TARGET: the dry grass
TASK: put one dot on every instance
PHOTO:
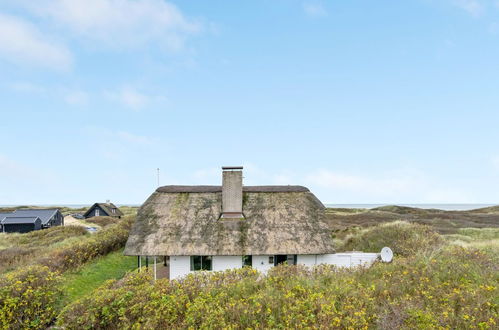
(17, 250)
(102, 221)
(445, 222)
(404, 238)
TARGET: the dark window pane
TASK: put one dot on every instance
(207, 263)
(247, 261)
(195, 262)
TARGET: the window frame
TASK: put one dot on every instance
(203, 263)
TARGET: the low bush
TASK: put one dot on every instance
(103, 221)
(480, 233)
(457, 289)
(403, 238)
(49, 236)
(28, 297)
(110, 239)
(23, 249)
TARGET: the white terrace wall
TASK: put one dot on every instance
(349, 259)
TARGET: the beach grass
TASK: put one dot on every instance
(79, 283)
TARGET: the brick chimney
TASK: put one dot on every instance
(232, 192)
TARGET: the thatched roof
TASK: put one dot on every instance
(185, 220)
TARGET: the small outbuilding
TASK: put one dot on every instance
(107, 209)
(25, 220)
(21, 224)
(49, 217)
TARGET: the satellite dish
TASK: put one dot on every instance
(386, 254)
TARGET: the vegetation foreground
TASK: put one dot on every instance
(435, 284)
(435, 281)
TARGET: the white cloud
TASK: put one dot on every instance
(77, 98)
(118, 136)
(22, 43)
(118, 145)
(399, 186)
(26, 87)
(314, 9)
(473, 7)
(118, 22)
(138, 140)
(130, 98)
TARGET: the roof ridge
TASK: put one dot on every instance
(214, 189)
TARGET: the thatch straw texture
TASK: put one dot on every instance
(277, 220)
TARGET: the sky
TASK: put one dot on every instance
(360, 101)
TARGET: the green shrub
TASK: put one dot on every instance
(457, 289)
(110, 239)
(28, 297)
(403, 238)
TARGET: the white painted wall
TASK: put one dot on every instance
(227, 262)
(261, 263)
(350, 259)
(179, 266)
(308, 260)
(363, 259)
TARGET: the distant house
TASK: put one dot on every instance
(26, 220)
(103, 209)
(2, 216)
(21, 224)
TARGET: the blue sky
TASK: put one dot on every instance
(361, 101)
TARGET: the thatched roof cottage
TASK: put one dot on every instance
(194, 228)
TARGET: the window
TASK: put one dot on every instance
(97, 212)
(290, 259)
(247, 261)
(113, 210)
(201, 262)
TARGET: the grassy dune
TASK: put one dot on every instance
(341, 221)
(32, 290)
(444, 275)
(431, 283)
(78, 283)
